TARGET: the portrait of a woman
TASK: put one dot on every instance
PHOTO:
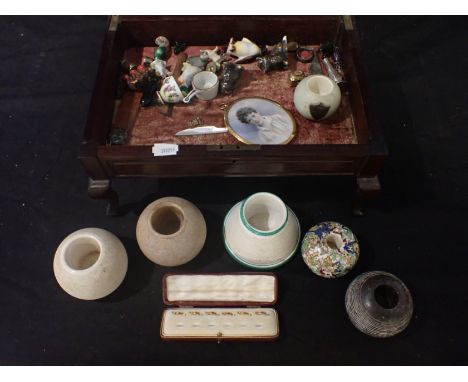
(261, 121)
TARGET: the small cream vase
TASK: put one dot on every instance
(171, 231)
(90, 263)
(317, 97)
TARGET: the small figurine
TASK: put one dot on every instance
(146, 61)
(150, 85)
(188, 71)
(211, 67)
(212, 55)
(126, 66)
(283, 47)
(229, 76)
(270, 62)
(327, 49)
(118, 136)
(163, 47)
(159, 66)
(179, 46)
(243, 50)
(135, 77)
(198, 61)
(277, 59)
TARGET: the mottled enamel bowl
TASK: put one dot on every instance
(261, 232)
(330, 249)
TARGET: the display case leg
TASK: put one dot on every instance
(367, 188)
(101, 189)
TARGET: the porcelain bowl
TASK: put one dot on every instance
(261, 232)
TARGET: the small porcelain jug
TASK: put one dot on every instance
(317, 97)
(170, 91)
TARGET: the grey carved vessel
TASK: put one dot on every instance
(379, 304)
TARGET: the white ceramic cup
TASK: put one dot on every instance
(205, 86)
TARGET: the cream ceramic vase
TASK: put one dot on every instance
(261, 232)
(317, 97)
(171, 231)
(90, 263)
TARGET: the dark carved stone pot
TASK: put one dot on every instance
(379, 304)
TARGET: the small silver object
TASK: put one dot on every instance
(202, 130)
(333, 73)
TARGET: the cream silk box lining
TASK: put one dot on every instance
(252, 288)
(220, 322)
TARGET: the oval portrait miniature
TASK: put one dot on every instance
(330, 249)
(259, 121)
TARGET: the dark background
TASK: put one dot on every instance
(416, 229)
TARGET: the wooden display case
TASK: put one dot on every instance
(349, 145)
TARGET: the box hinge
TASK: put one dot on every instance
(114, 22)
(348, 23)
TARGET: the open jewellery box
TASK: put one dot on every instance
(220, 306)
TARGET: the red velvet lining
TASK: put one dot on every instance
(151, 126)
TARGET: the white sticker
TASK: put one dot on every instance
(163, 149)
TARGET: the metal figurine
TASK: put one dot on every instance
(229, 76)
(277, 59)
(270, 62)
(284, 46)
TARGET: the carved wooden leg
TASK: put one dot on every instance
(367, 188)
(101, 189)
